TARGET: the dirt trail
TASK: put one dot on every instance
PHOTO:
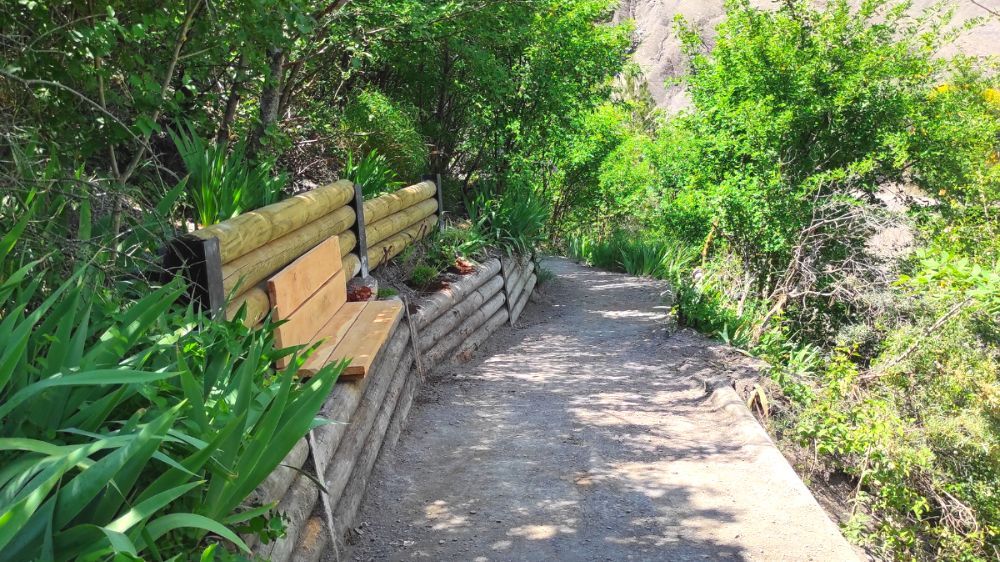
(588, 434)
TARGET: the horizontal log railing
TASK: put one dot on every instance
(231, 260)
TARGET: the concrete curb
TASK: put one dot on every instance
(745, 427)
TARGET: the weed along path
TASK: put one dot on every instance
(588, 434)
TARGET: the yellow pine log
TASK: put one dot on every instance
(396, 222)
(352, 265)
(261, 263)
(241, 235)
(382, 252)
(257, 306)
(382, 206)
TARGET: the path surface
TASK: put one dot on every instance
(590, 436)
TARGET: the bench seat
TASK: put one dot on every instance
(310, 295)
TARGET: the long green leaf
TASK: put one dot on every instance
(15, 517)
(80, 491)
(146, 509)
(168, 523)
(98, 377)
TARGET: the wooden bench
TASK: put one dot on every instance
(310, 294)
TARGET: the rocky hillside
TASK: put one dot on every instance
(658, 50)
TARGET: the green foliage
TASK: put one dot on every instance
(514, 221)
(376, 124)
(623, 251)
(372, 173)
(386, 292)
(122, 425)
(422, 275)
(803, 103)
(499, 89)
(221, 182)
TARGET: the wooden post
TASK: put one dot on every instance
(359, 229)
(320, 465)
(436, 178)
(200, 262)
(414, 338)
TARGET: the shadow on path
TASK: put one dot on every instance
(586, 434)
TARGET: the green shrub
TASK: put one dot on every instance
(378, 124)
(386, 292)
(142, 432)
(513, 222)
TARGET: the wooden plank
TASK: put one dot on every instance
(363, 342)
(293, 286)
(331, 334)
(303, 324)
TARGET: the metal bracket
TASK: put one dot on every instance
(199, 261)
(359, 229)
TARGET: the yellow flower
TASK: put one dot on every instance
(992, 97)
(942, 89)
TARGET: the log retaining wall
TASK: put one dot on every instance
(369, 414)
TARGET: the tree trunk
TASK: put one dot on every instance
(270, 99)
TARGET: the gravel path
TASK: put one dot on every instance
(588, 434)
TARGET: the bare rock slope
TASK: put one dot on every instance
(658, 49)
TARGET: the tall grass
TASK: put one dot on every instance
(661, 259)
(513, 222)
(221, 181)
(372, 172)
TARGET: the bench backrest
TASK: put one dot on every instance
(307, 293)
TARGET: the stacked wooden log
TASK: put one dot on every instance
(369, 413)
(256, 245)
(519, 281)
